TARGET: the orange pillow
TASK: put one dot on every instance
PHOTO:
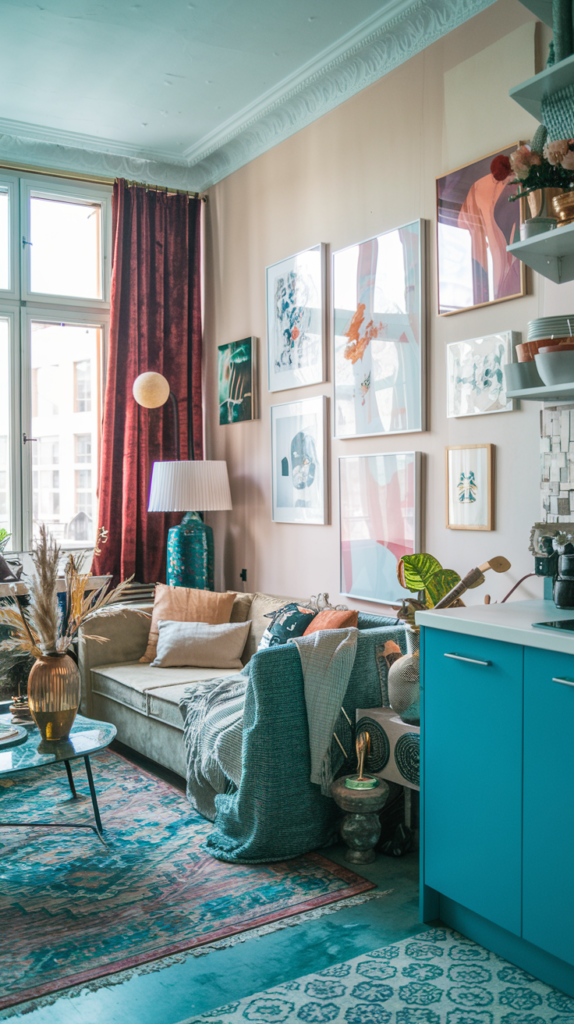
(332, 619)
(183, 604)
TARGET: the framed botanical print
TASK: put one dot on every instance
(296, 320)
(380, 522)
(299, 471)
(475, 382)
(469, 487)
(379, 330)
(237, 380)
(475, 223)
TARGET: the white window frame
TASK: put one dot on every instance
(22, 307)
(11, 183)
(55, 188)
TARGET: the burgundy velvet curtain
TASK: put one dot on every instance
(155, 325)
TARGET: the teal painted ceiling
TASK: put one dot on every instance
(197, 85)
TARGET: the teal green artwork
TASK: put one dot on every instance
(237, 381)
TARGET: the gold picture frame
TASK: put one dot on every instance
(469, 474)
(491, 228)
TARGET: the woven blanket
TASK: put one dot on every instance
(327, 659)
(212, 737)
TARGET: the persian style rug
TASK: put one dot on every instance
(72, 910)
(437, 977)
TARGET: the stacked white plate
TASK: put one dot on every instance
(551, 327)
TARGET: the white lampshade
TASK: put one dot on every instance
(189, 487)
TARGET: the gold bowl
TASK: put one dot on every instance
(564, 208)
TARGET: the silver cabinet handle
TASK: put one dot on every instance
(565, 682)
(472, 661)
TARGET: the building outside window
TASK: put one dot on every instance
(54, 310)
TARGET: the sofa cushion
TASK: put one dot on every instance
(241, 606)
(200, 644)
(290, 621)
(135, 685)
(330, 618)
(261, 605)
(186, 604)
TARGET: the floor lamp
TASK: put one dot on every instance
(190, 487)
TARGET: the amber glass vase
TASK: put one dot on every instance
(54, 695)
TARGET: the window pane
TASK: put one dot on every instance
(65, 249)
(4, 426)
(4, 239)
(65, 420)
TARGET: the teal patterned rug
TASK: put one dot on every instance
(72, 910)
(437, 977)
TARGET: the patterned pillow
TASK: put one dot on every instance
(289, 621)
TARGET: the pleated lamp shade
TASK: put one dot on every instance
(189, 487)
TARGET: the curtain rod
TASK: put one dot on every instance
(94, 179)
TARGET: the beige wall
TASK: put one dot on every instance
(369, 166)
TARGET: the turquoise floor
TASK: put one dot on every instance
(202, 983)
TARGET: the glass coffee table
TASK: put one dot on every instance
(30, 751)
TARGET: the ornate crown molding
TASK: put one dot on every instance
(378, 46)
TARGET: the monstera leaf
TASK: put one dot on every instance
(424, 572)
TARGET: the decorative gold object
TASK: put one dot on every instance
(564, 207)
(361, 781)
(54, 695)
(540, 201)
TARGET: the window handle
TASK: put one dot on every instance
(565, 682)
(471, 661)
(25, 242)
(26, 439)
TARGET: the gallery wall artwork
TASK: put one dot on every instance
(475, 381)
(475, 223)
(237, 380)
(299, 462)
(296, 320)
(470, 487)
(378, 317)
(380, 522)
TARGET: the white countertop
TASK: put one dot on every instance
(511, 622)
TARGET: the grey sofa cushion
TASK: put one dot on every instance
(141, 687)
(200, 644)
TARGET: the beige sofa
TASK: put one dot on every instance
(141, 701)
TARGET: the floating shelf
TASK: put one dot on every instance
(550, 254)
(557, 393)
(531, 93)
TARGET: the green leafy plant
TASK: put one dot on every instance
(4, 538)
(423, 574)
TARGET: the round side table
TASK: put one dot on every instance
(360, 827)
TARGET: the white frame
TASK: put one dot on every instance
(44, 315)
(298, 516)
(63, 189)
(422, 284)
(512, 338)
(417, 524)
(11, 182)
(286, 381)
(14, 462)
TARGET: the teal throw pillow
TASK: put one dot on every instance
(291, 620)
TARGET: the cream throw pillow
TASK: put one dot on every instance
(184, 604)
(199, 645)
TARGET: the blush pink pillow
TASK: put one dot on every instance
(332, 619)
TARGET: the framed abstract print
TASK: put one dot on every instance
(237, 381)
(296, 320)
(299, 462)
(475, 381)
(380, 522)
(469, 487)
(475, 223)
(378, 324)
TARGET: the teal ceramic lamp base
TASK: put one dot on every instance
(190, 553)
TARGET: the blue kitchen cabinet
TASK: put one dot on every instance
(548, 865)
(473, 697)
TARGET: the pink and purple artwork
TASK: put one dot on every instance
(380, 522)
(475, 223)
